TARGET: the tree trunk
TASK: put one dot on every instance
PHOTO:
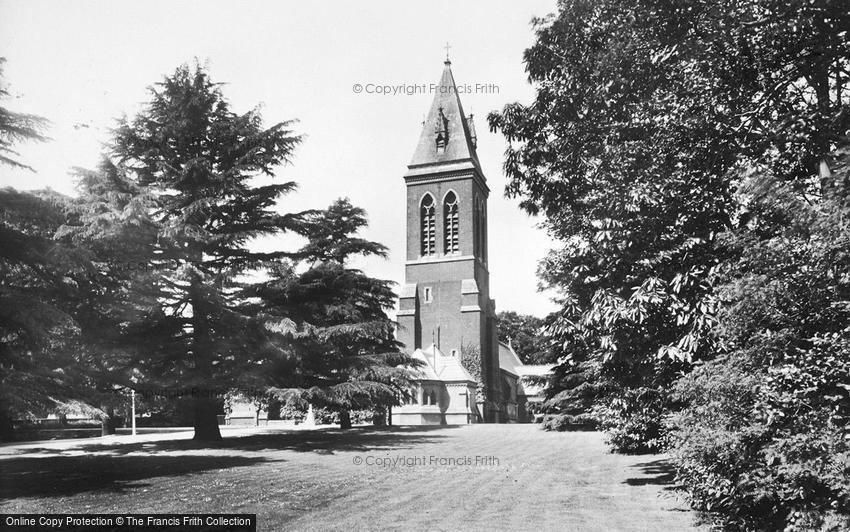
(108, 422)
(379, 417)
(344, 419)
(6, 423)
(206, 420)
(206, 408)
(107, 426)
(274, 410)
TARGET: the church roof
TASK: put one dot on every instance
(426, 370)
(447, 136)
(508, 359)
(455, 372)
(510, 362)
(439, 367)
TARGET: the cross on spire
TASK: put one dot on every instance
(447, 47)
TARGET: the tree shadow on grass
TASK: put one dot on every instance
(111, 466)
(54, 476)
(322, 441)
(663, 474)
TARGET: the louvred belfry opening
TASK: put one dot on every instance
(429, 237)
(450, 216)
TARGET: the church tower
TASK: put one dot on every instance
(445, 301)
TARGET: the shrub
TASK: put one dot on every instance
(567, 422)
(293, 410)
(632, 420)
(769, 449)
(326, 416)
(557, 422)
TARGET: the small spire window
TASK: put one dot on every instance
(441, 131)
(451, 231)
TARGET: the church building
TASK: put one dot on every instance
(446, 317)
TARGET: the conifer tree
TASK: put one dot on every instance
(345, 353)
(35, 273)
(110, 219)
(15, 128)
(37, 327)
(198, 164)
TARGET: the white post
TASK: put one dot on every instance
(310, 420)
(133, 410)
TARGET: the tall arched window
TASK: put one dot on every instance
(482, 230)
(426, 216)
(451, 241)
(475, 246)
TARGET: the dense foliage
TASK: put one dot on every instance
(151, 277)
(765, 441)
(331, 318)
(622, 151)
(523, 333)
(38, 332)
(39, 285)
(194, 162)
(690, 157)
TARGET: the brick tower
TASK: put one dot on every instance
(445, 301)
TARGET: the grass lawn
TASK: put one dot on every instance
(526, 479)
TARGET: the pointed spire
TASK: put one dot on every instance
(446, 133)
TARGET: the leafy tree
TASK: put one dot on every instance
(193, 165)
(692, 157)
(525, 334)
(16, 128)
(624, 153)
(763, 441)
(647, 116)
(344, 355)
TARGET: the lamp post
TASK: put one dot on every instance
(133, 410)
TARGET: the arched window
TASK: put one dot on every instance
(482, 229)
(475, 222)
(426, 216)
(451, 241)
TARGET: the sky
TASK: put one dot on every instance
(83, 64)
